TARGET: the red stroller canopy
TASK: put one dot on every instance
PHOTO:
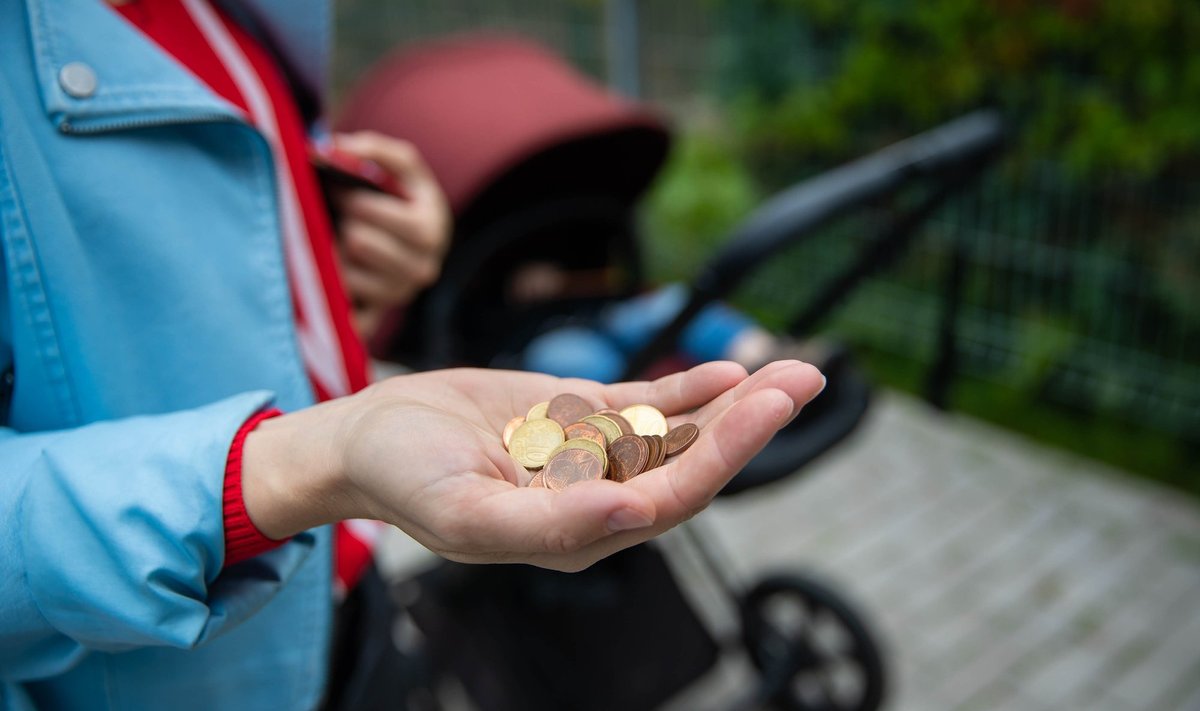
(484, 109)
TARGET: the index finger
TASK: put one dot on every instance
(678, 392)
(686, 485)
(800, 381)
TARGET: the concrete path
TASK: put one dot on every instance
(999, 574)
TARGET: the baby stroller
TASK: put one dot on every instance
(541, 165)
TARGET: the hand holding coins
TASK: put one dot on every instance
(424, 452)
(569, 442)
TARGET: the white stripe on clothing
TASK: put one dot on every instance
(319, 342)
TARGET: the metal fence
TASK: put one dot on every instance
(1087, 293)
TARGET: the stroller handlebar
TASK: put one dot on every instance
(946, 156)
(950, 151)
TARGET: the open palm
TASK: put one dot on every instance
(425, 455)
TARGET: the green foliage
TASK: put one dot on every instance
(1092, 84)
(1082, 308)
(703, 192)
(1177, 271)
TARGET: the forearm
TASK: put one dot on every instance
(112, 536)
(423, 452)
(293, 478)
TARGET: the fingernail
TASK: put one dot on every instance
(627, 520)
(791, 412)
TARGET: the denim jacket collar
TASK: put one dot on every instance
(137, 84)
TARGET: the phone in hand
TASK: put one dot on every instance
(340, 169)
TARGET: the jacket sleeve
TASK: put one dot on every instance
(111, 538)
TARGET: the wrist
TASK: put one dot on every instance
(243, 540)
(292, 473)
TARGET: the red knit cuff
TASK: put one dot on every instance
(243, 540)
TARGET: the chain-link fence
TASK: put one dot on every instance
(1085, 292)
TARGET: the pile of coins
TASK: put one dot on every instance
(566, 441)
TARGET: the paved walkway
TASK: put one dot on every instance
(1000, 574)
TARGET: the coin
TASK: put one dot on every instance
(568, 408)
(586, 431)
(652, 448)
(568, 445)
(538, 411)
(609, 428)
(660, 451)
(627, 457)
(646, 419)
(533, 441)
(511, 427)
(586, 445)
(616, 417)
(680, 438)
(571, 466)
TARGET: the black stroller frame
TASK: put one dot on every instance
(620, 635)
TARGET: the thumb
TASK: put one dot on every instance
(394, 155)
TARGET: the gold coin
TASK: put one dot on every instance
(533, 441)
(607, 427)
(538, 411)
(588, 446)
(645, 419)
(511, 427)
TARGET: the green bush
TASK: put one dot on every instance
(704, 190)
(1093, 85)
(1082, 305)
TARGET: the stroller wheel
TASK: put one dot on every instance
(813, 649)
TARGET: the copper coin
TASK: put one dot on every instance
(618, 418)
(586, 445)
(582, 430)
(537, 481)
(571, 466)
(511, 427)
(652, 446)
(627, 457)
(681, 438)
(660, 453)
(568, 408)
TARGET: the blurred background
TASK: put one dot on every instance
(1025, 533)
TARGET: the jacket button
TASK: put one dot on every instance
(77, 79)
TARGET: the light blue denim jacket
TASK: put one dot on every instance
(144, 314)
